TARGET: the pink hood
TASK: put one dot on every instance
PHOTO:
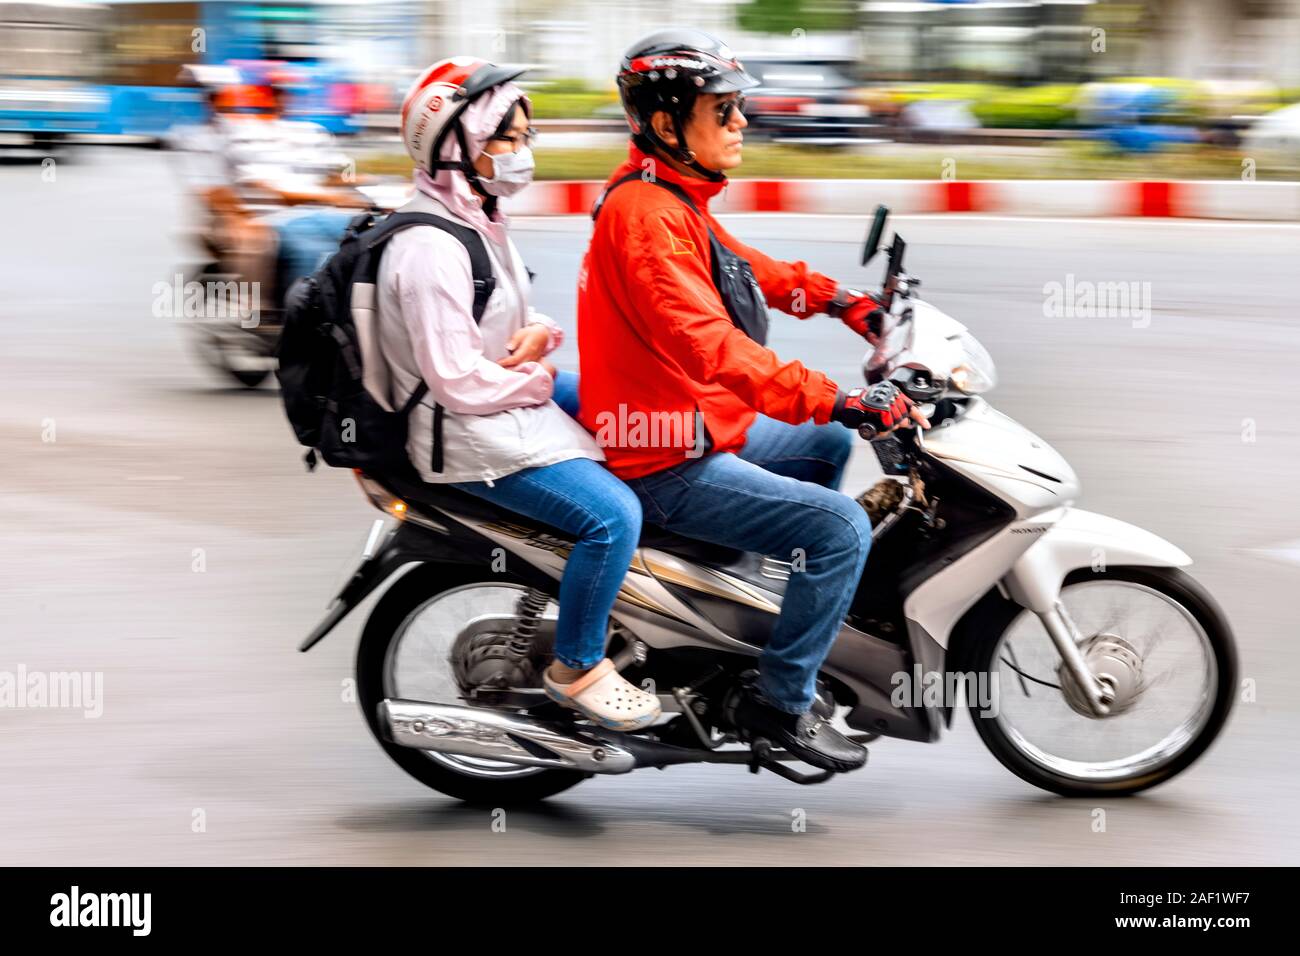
(449, 186)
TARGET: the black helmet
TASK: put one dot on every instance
(666, 71)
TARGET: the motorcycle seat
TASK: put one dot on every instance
(425, 496)
(701, 552)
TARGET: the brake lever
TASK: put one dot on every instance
(871, 433)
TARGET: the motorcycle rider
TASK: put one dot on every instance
(671, 317)
(249, 156)
(504, 438)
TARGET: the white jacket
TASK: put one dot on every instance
(496, 420)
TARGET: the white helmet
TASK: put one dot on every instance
(436, 101)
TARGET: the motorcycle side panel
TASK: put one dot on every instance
(871, 669)
(938, 602)
(1083, 539)
(660, 594)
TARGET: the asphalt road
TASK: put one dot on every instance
(126, 466)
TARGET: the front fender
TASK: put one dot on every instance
(1083, 539)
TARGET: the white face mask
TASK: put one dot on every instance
(511, 172)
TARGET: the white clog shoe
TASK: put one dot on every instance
(603, 696)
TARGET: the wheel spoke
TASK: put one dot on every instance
(1155, 651)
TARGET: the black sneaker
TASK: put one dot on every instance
(808, 736)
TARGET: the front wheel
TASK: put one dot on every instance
(436, 628)
(1161, 641)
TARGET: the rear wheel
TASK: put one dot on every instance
(243, 359)
(1161, 641)
(213, 354)
(430, 633)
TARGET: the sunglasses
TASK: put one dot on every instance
(725, 109)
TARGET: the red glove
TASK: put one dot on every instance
(863, 316)
(872, 411)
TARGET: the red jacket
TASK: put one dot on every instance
(656, 343)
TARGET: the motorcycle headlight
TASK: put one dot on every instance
(975, 372)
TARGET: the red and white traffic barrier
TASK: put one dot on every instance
(1028, 197)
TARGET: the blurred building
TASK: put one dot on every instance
(1223, 39)
(114, 67)
(1075, 40)
(1045, 40)
(585, 39)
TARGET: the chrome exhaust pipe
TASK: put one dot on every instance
(511, 738)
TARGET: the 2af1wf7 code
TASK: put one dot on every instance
(1151, 899)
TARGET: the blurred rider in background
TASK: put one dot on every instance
(275, 193)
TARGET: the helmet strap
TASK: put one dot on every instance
(688, 154)
(465, 166)
(681, 153)
(471, 174)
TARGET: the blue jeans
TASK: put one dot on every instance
(584, 500)
(308, 236)
(565, 392)
(777, 497)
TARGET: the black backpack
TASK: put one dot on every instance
(320, 369)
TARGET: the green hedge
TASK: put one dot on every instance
(568, 99)
(1034, 107)
(1001, 107)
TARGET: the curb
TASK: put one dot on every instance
(1190, 199)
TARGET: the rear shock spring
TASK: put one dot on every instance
(528, 616)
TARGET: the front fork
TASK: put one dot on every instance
(1061, 628)
(1073, 541)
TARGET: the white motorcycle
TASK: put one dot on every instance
(1091, 663)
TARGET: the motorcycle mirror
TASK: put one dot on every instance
(872, 245)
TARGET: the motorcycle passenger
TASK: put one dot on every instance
(672, 319)
(503, 436)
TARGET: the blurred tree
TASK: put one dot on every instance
(786, 16)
